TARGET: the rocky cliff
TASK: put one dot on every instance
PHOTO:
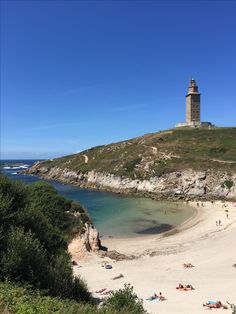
(185, 184)
(88, 242)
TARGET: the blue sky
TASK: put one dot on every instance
(79, 74)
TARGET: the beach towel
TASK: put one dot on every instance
(211, 302)
(152, 299)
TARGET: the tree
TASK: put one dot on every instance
(35, 224)
(24, 258)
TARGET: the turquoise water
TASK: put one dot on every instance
(115, 215)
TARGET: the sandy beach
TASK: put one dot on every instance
(158, 266)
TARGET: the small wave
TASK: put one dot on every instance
(14, 173)
(16, 167)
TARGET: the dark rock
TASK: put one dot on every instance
(156, 229)
(117, 256)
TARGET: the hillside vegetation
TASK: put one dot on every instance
(36, 275)
(35, 227)
(23, 299)
(157, 153)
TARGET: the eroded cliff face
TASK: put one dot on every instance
(185, 184)
(88, 242)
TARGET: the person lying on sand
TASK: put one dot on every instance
(188, 265)
(215, 305)
(153, 297)
(118, 277)
(159, 297)
(189, 287)
(107, 292)
(101, 290)
(185, 287)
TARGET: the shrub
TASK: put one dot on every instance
(131, 164)
(62, 282)
(125, 301)
(24, 258)
(18, 299)
(34, 226)
(34, 231)
(228, 184)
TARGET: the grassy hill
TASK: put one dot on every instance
(157, 153)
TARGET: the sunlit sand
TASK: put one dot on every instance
(201, 241)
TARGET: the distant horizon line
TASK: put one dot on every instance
(26, 159)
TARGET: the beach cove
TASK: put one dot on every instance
(114, 215)
(158, 266)
(159, 258)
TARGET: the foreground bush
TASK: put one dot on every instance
(125, 301)
(35, 225)
(15, 299)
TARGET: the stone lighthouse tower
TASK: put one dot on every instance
(193, 104)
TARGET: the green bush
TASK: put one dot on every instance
(55, 207)
(12, 202)
(131, 164)
(51, 237)
(125, 301)
(33, 251)
(228, 184)
(18, 299)
(24, 258)
(35, 224)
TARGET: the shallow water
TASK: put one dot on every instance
(117, 215)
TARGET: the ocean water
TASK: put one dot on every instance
(112, 214)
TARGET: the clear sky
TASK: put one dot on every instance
(77, 74)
